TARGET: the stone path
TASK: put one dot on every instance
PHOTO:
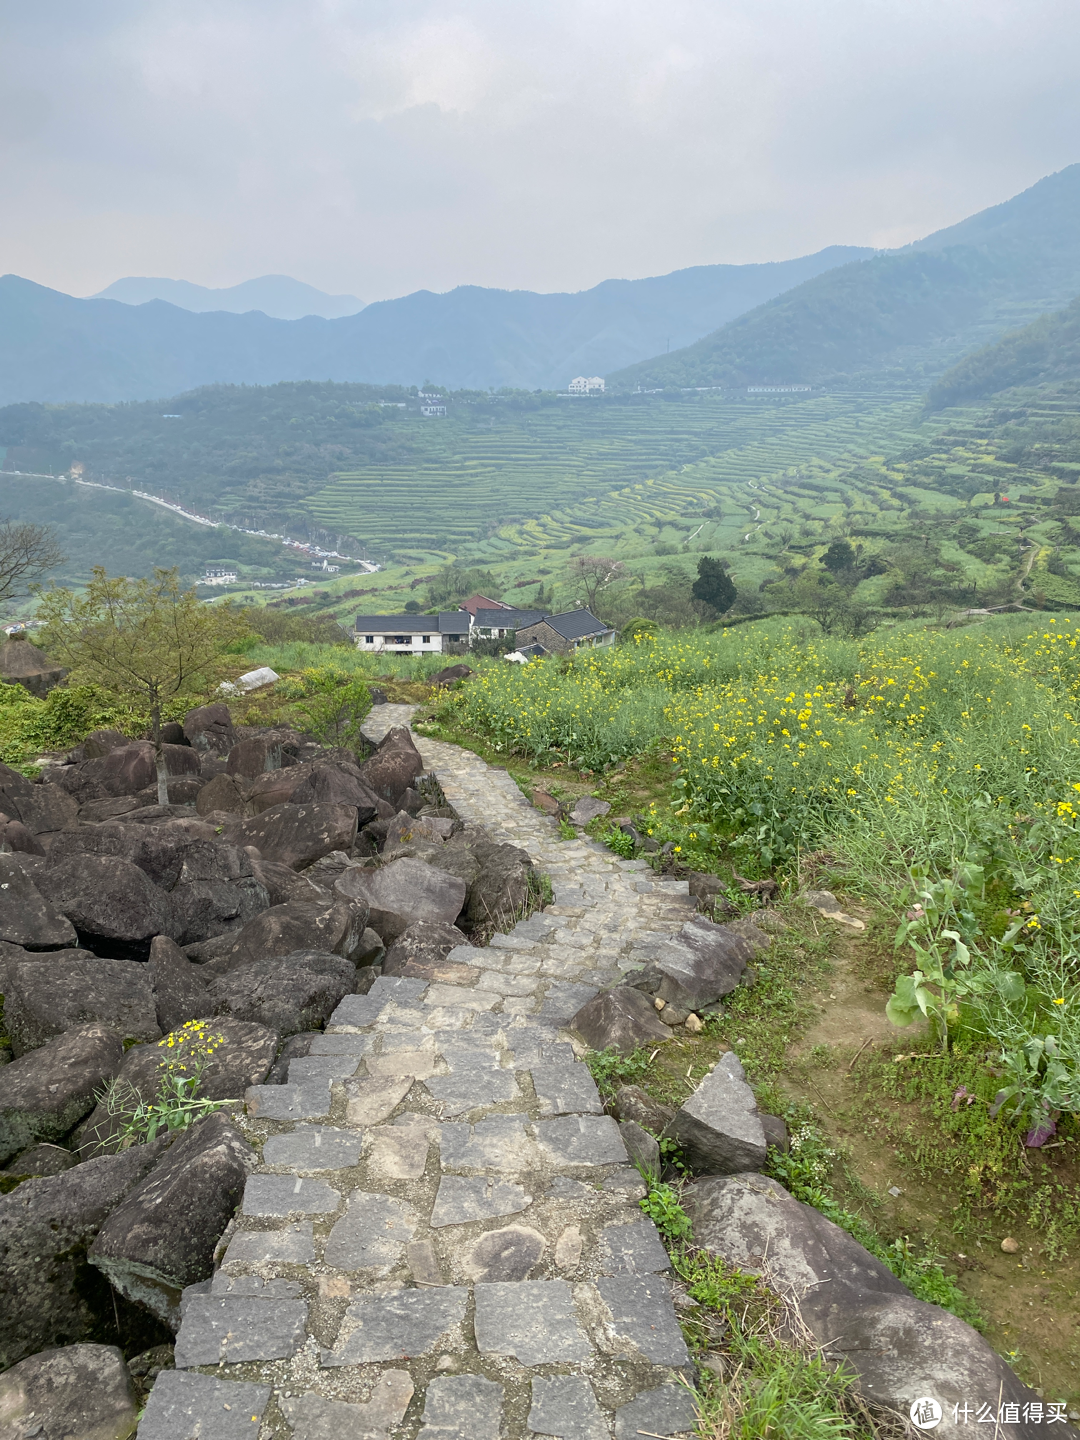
(443, 1241)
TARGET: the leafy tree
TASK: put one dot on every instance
(412, 607)
(839, 557)
(143, 641)
(26, 553)
(714, 586)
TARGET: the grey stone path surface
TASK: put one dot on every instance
(443, 1240)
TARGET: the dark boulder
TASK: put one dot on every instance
(15, 837)
(450, 674)
(222, 794)
(393, 767)
(242, 1055)
(49, 1293)
(178, 986)
(296, 835)
(500, 893)
(79, 1392)
(204, 908)
(114, 905)
(99, 743)
(337, 785)
(282, 883)
(48, 995)
(158, 850)
(45, 1093)
(249, 758)
(45, 809)
(406, 829)
(621, 1019)
(631, 1103)
(287, 993)
(163, 1235)
(697, 966)
(332, 924)
(40, 1160)
(210, 728)
(27, 917)
(276, 787)
(719, 1127)
(901, 1348)
(403, 892)
(425, 942)
(24, 664)
(131, 768)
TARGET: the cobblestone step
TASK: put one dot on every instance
(442, 1240)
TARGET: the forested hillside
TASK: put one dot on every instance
(1045, 352)
(903, 317)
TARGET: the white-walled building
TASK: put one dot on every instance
(413, 634)
(216, 576)
(584, 385)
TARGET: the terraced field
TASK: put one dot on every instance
(566, 477)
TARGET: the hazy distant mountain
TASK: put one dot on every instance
(55, 347)
(905, 316)
(279, 296)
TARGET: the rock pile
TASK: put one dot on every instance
(272, 886)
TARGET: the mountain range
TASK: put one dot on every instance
(904, 316)
(54, 347)
(279, 296)
(843, 317)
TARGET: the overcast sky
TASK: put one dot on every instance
(376, 147)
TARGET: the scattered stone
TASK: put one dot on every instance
(508, 1254)
(26, 916)
(531, 1320)
(179, 989)
(287, 993)
(45, 1093)
(700, 964)
(545, 802)
(82, 1391)
(622, 1019)
(163, 1236)
(296, 835)
(694, 1024)
(396, 1323)
(394, 765)
(825, 903)
(41, 1160)
(568, 1248)
(1010, 1246)
(49, 1293)
(462, 1405)
(565, 1405)
(402, 893)
(503, 886)
(73, 988)
(776, 1132)
(719, 1127)
(587, 809)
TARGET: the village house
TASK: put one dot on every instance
(564, 634)
(497, 624)
(217, 575)
(447, 633)
(586, 384)
(481, 602)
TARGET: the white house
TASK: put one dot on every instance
(584, 385)
(413, 634)
(433, 412)
(217, 576)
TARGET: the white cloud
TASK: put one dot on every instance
(379, 146)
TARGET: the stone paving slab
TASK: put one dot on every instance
(442, 1240)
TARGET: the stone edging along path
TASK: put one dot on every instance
(442, 1240)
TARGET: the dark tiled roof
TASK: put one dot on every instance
(508, 619)
(454, 622)
(575, 624)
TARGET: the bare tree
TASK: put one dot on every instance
(27, 552)
(592, 574)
